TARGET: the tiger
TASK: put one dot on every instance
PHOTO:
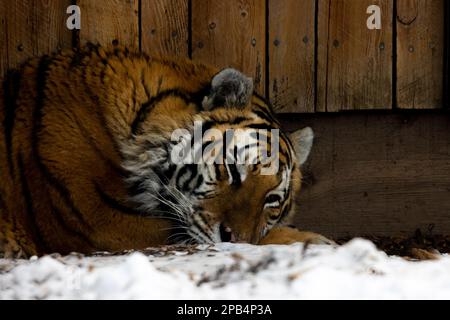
(86, 156)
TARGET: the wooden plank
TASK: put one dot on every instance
(358, 61)
(420, 54)
(165, 27)
(323, 17)
(110, 21)
(292, 56)
(31, 28)
(3, 40)
(447, 57)
(376, 174)
(231, 33)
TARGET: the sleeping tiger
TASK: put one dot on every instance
(86, 157)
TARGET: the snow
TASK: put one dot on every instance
(356, 270)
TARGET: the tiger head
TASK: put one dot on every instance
(221, 170)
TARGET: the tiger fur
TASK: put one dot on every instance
(84, 157)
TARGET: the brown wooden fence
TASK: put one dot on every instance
(305, 55)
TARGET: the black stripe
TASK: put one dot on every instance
(200, 229)
(11, 88)
(199, 96)
(215, 121)
(180, 174)
(205, 221)
(161, 174)
(263, 99)
(147, 107)
(158, 89)
(36, 233)
(134, 96)
(238, 120)
(170, 171)
(103, 72)
(286, 210)
(265, 116)
(2, 203)
(41, 81)
(200, 215)
(200, 195)
(137, 187)
(286, 153)
(77, 58)
(199, 182)
(103, 122)
(263, 126)
(58, 216)
(114, 203)
(235, 176)
(217, 171)
(147, 92)
(290, 147)
(246, 148)
(186, 185)
(86, 135)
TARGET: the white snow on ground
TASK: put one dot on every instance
(356, 270)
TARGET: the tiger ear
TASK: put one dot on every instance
(229, 88)
(303, 142)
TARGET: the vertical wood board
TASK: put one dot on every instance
(420, 54)
(164, 27)
(357, 61)
(292, 55)
(108, 21)
(231, 33)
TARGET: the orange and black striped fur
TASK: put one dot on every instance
(85, 137)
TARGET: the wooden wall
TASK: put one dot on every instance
(305, 55)
(30, 28)
(383, 173)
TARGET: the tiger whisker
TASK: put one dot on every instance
(175, 228)
(169, 204)
(173, 219)
(173, 236)
(187, 203)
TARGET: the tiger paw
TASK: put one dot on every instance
(229, 88)
(287, 235)
(10, 249)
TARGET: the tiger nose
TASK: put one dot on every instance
(226, 234)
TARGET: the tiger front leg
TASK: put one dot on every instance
(288, 235)
(9, 247)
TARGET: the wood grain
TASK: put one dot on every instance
(447, 57)
(31, 28)
(165, 27)
(420, 54)
(323, 16)
(231, 33)
(108, 21)
(291, 55)
(376, 174)
(357, 61)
